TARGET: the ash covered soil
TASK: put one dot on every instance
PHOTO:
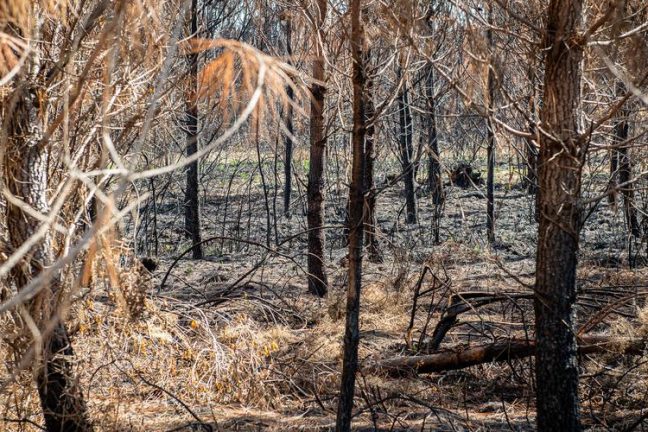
(235, 342)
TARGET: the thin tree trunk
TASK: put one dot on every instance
(289, 126)
(406, 151)
(559, 172)
(371, 240)
(614, 175)
(317, 277)
(156, 240)
(264, 185)
(531, 162)
(625, 175)
(434, 178)
(490, 173)
(356, 227)
(621, 129)
(192, 203)
(25, 176)
(490, 185)
(435, 181)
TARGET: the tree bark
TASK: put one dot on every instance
(26, 177)
(622, 156)
(371, 240)
(614, 174)
(435, 182)
(407, 151)
(490, 151)
(317, 276)
(192, 202)
(289, 126)
(356, 227)
(531, 162)
(560, 167)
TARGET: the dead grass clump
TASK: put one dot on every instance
(136, 373)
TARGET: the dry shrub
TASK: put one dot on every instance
(135, 372)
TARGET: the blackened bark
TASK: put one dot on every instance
(490, 150)
(435, 182)
(371, 240)
(531, 156)
(622, 156)
(530, 181)
(614, 174)
(490, 185)
(407, 151)
(625, 175)
(192, 203)
(356, 228)
(317, 277)
(559, 171)
(61, 400)
(289, 126)
(264, 185)
(25, 176)
(434, 179)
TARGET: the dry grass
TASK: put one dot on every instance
(268, 358)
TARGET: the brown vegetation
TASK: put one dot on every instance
(190, 188)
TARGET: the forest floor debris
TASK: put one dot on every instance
(260, 354)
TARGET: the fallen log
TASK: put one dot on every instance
(495, 352)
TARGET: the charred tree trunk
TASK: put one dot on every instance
(625, 176)
(371, 240)
(407, 151)
(614, 173)
(621, 129)
(317, 277)
(435, 182)
(490, 150)
(25, 176)
(530, 182)
(356, 227)
(289, 126)
(560, 167)
(192, 203)
(531, 162)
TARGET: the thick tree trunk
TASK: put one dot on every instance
(288, 118)
(317, 277)
(25, 176)
(192, 202)
(407, 151)
(560, 164)
(356, 227)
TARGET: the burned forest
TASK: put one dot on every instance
(323, 215)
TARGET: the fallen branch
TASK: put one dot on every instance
(496, 352)
(459, 303)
